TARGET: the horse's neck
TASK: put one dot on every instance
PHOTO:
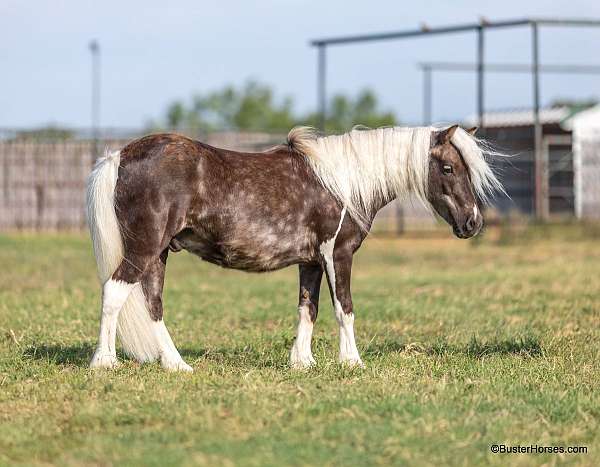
(382, 201)
(379, 205)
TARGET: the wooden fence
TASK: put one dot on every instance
(42, 184)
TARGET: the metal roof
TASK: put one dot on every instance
(586, 120)
(521, 117)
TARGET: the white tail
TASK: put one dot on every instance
(135, 329)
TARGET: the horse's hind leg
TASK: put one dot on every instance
(308, 307)
(152, 285)
(121, 293)
(132, 304)
(114, 296)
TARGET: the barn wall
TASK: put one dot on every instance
(587, 180)
(517, 172)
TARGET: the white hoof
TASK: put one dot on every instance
(300, 360)
(100, 360)
(176, 365)
(353, 362)
(301, 363)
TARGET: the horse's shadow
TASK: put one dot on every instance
(59, 354)
(79, 354)
(524, 346)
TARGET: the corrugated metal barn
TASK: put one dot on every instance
(571, 150)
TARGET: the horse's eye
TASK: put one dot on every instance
(447, 169)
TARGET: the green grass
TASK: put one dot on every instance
(466, 344)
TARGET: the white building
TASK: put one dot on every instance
(585, 128)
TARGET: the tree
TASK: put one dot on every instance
(255, 108)
(50, 132)
(344, 113)
(576, 105)
(176, 115)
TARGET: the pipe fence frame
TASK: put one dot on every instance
(479, 28)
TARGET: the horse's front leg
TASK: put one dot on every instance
(339, 267)
(308, 308)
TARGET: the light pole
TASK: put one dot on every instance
(322, 91)
(95, 50)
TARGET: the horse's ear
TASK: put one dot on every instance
(473, 130)
(446, 135)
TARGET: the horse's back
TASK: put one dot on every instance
(239, 210)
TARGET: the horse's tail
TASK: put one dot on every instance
(135, 325)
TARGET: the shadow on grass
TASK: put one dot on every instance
(524, 346)
(75, 354)
(248, 355)
(274, 354)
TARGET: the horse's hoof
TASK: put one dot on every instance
(301, 360)
(176, 365)
(100, 361)
(302, 363)
(353, 363)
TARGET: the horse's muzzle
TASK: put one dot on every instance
(470, 228)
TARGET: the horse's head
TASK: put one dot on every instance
(450, 189)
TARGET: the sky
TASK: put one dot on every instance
(155, 52)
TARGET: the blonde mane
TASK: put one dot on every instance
(363, 167)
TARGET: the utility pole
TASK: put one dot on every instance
(95, 115)
(541, 167)
(321, 83)
(427, 96)
(480, 84)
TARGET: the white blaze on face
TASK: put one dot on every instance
(348, 351)
(449, 203)
(475, 211)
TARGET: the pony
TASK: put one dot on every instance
(309, 202)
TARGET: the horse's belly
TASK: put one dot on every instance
(249, 253)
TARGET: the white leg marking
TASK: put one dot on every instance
(348, 351)
(169, 356)
(114, 296)
(301, 355)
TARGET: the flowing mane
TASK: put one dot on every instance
(362, 167)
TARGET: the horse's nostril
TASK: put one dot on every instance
(470, 225)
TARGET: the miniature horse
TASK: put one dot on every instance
(310, 202)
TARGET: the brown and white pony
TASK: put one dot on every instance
(310, 202)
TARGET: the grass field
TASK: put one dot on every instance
(466, 344)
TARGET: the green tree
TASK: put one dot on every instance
(46, 133)
(254, 107)
(176, 115)
(576, 105)
(343, 113)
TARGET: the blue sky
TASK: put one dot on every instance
(154, 52)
